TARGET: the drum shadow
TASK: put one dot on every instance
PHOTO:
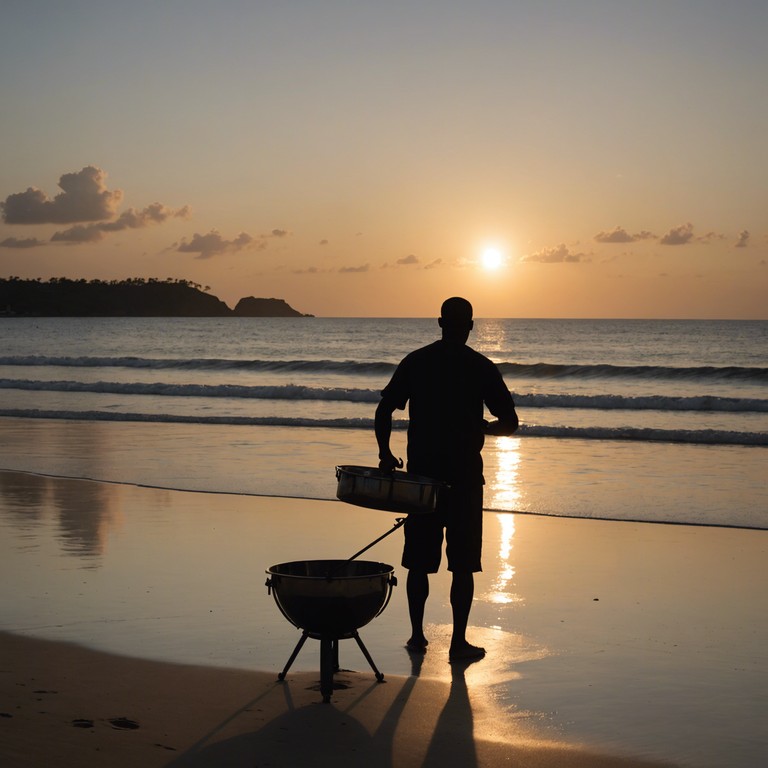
(328, 736)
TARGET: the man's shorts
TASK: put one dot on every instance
(459, 512)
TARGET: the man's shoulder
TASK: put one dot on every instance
(430, 350)
(478, 358)
(441, 349)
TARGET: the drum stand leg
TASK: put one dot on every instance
(329, 661)
(379, 675)
(295, 653)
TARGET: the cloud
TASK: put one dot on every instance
(80, 233)
(743, 240)
(85, 197)
(433, 264)
(620, 235)
(709, 237)
(280, 233)
(678, 235)
(557, 255)
(213, 243)
(15, 242)
(323, 242)
(346, 270)
(156, 213)
(410, 259)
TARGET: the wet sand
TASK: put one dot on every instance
(609, 643)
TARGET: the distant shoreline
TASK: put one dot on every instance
(133, 297)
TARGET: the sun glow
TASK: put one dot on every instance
(491, 258)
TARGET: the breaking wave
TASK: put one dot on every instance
(704, 403)
(351, 367)
(703, 436)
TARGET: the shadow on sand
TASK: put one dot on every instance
(359, 727)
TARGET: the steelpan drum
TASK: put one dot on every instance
(402, 492)
(331, 598)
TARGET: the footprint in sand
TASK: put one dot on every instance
(124, 723)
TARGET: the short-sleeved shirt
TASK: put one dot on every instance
(446, 385)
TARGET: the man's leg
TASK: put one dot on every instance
(417, 589)
(462, 593)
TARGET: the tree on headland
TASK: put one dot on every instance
(131, 297)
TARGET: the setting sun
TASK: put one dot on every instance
(491, 259)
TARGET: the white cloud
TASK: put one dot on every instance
(681, 235)
(27, 242)
(620, 235)
(85, 197)
(743, 240)
(156, 213)
(213, 243)
(558, 255)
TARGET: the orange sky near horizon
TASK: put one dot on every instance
(362, 160)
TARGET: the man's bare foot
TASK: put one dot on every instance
(417, 644)
(465, 652)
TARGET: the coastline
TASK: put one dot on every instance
(641, 641)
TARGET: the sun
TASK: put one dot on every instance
(491, 258)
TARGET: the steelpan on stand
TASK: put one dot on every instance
(329, 600)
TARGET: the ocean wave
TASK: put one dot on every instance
(159, 389)
(744, 374)
(703, 403)
(602, 371)
(350, 394)
(701, 437)
(204, 364)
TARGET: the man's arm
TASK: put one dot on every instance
(502, 406)
(504, 425)
(383, 429)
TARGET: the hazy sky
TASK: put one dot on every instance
(359, 158)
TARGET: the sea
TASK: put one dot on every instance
(661, 421)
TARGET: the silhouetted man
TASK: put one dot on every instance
(446, 384)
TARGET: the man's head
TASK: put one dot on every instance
(456, 318)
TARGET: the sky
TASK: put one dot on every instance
(580, 158)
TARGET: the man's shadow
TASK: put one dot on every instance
(323, 735)
(453, 741)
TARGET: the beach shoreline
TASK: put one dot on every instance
(641, 641)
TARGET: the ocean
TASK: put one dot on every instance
(649, 420)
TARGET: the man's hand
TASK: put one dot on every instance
(501, 427)
(388, 462)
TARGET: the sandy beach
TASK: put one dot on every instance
(75, 707)
(138, 631)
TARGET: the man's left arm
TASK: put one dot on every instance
(506, 425)
(502, 406)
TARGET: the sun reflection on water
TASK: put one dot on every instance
(505, 494)
(504, 486)
(501, 589)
